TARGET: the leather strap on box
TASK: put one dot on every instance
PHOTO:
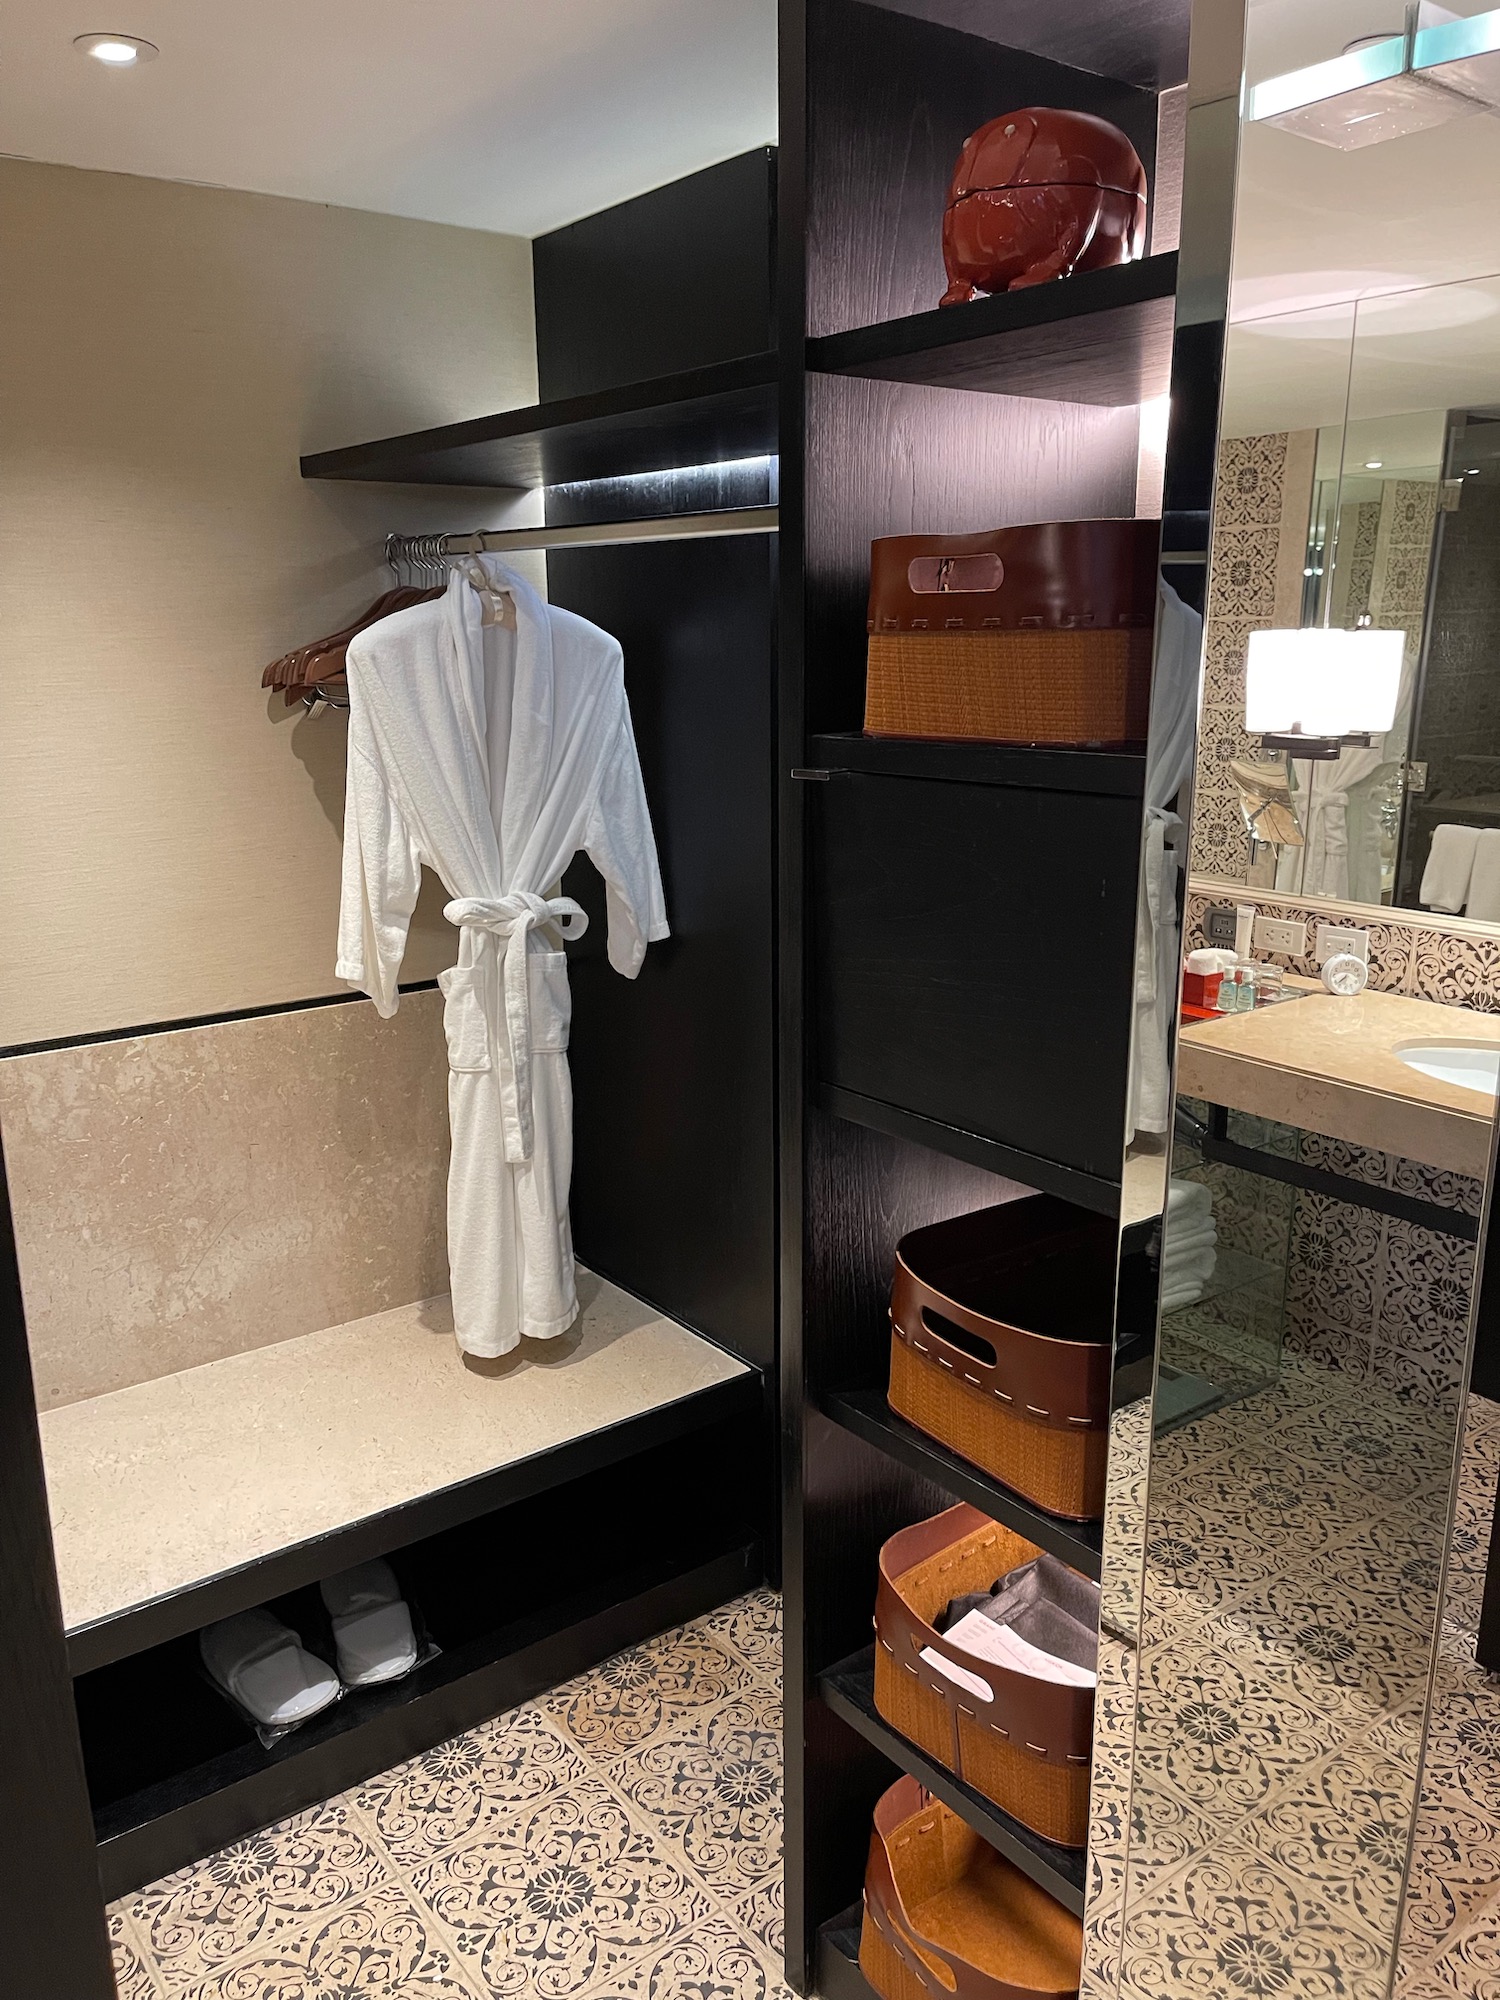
(1058, 576)
(1061, 1383)
(904, 1803)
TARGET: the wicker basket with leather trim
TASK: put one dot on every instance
(1029, 1747)
(947, 1918)
(982, 1310)
(1027, 635)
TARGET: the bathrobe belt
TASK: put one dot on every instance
(512, 919)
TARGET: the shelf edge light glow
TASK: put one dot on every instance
(1322, 683)
(1439, 69)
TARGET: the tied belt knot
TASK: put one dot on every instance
(510, 920)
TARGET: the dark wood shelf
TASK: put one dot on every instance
(1104, 337)
(289, 1569)
(838, 1973)
(1043, 767)
(148, 1834)
(700, 417)
(1090, 1191)
(849, 1690)
(867, 1415)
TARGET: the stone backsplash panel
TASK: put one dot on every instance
(194, 1193)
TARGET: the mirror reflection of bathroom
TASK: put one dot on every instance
(1322, 1473)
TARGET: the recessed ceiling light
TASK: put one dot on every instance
(1374, 464)
(116, 51)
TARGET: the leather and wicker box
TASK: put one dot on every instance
(1000, 1346)
(945, 1914)
(1027, 635)
(1029, 1747)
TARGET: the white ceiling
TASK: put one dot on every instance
(513, 115)
(1316, 227)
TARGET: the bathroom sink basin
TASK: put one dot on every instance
(1471, 1065)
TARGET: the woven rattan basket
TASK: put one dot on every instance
(1028, 635)
(944, 1914)
(1071, 688)
(1000, 1346)
(1029, 1747)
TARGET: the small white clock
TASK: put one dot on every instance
(1345, 974)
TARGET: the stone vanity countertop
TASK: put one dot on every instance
(1329, 1065)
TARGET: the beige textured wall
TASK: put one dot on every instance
(180, 1197)
(171, 833)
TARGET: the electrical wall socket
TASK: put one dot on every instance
(1218, 925)
(1332, 941)
(1283, 934)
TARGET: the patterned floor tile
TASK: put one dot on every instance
(454, 1792)
(133, 1978)
(1455, 1870)
(1343, 1636)
(1468, 1969)
(380, 1946)
(245, 1898)
(568, 1893)
(1223, 1721)
(1230, 1924)
(1342, 1832)
(713, 1962)
(751, 1629)
(623, 1704)
(712, 1788)
(763, 1914)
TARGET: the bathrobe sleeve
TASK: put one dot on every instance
(619, 842)
(382, 874)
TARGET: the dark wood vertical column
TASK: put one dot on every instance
(55, 1945)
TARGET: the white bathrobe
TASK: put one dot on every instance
(494, 757)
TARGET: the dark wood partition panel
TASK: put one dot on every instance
(940, 1049)
(51, 1910)
(674, 1141)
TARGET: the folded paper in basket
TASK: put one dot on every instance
(1041, 1620)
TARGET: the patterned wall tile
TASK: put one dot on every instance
(1457, 971)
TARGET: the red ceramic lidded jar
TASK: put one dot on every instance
(1040, 194)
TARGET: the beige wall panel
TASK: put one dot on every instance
(171, 833)
(185, 1196)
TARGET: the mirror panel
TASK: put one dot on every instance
(1301, 1623)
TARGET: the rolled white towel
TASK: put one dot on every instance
(1186, 1198)
(1450, 865)
(1484, 883)
(1181, 1242)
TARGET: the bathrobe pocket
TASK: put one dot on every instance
(551, 999)
(463, 1019)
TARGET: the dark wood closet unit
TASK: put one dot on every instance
(957, 921)
(675, 1191)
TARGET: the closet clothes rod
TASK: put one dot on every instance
(592, 535)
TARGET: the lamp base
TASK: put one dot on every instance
(1313, 749)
